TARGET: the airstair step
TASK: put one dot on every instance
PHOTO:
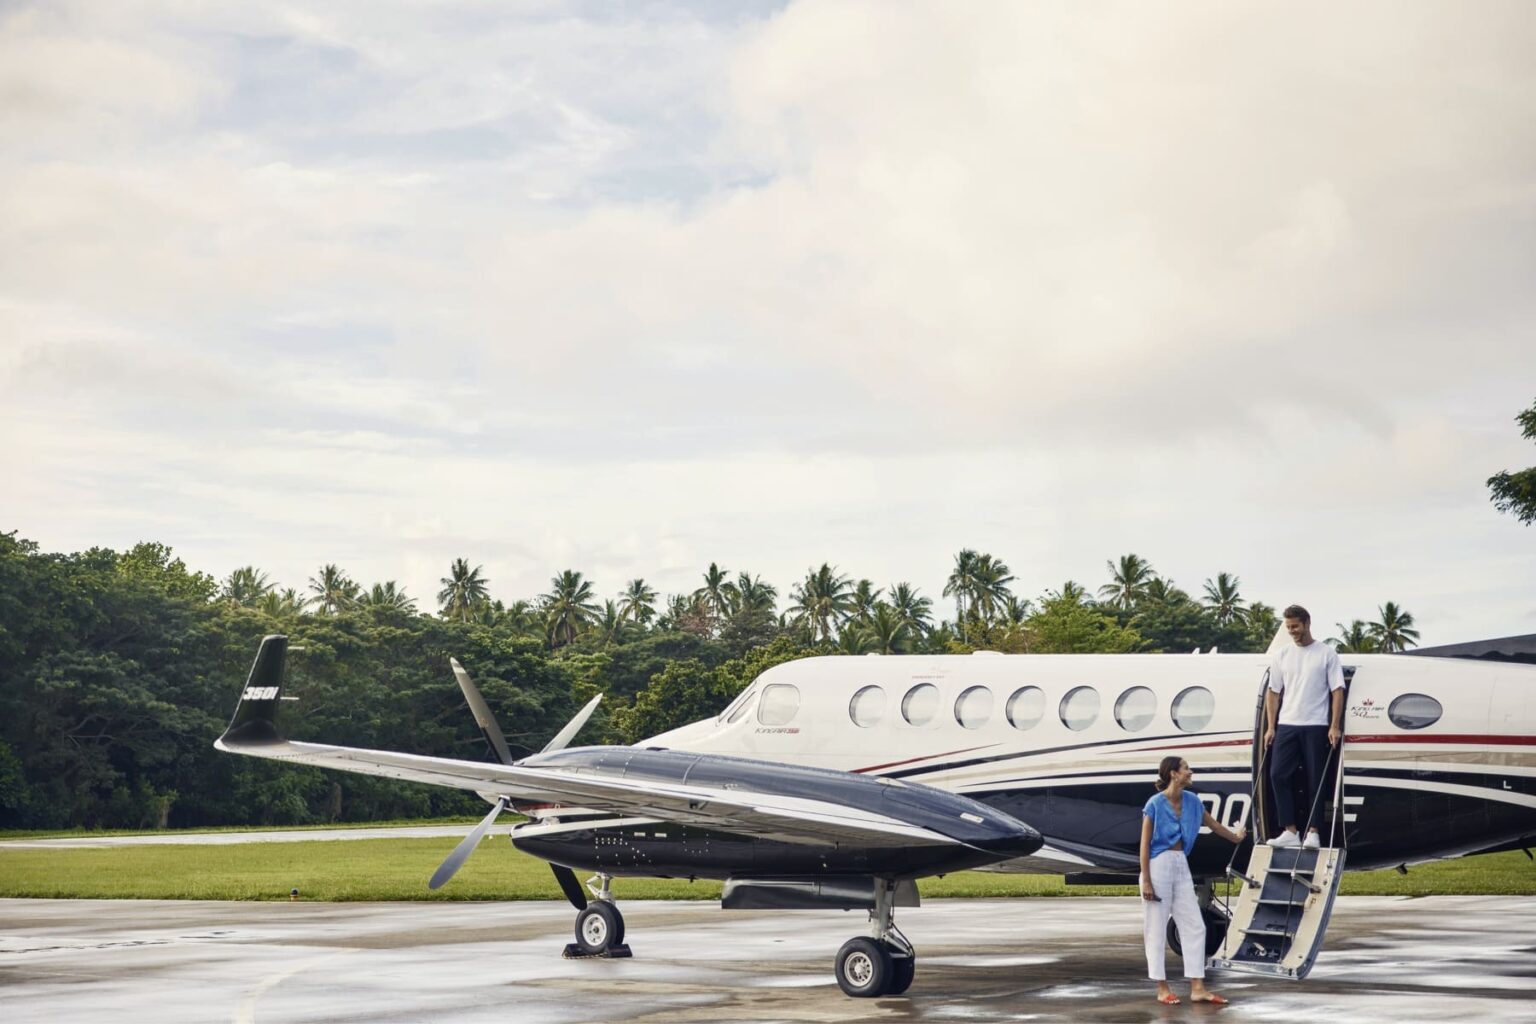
(1278, 933)
(1282, 903)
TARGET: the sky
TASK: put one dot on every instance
(633, 288)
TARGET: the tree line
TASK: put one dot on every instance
(118, 669)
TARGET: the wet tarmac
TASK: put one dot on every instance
(1388, 959)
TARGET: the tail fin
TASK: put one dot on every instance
(255, 721)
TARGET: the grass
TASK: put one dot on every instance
(398, 869)
(90, 833)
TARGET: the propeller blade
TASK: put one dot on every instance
(572, 727)
(448, 868)
(482, 713)
(568, 885)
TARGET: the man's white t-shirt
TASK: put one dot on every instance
(1305, 676)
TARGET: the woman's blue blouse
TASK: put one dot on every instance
(1167, 829)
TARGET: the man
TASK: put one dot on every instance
(1308, 676)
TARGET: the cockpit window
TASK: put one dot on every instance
(1414, 711)
(733, 709)
(742, 707)
(779, 704)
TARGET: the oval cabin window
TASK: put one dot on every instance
(1026, 707)
(1135, 708)
(920, 704)
(1080, 708)
(974, 707)
(1414, 711)
(778, 704)
(867, 707)
(1193, 709)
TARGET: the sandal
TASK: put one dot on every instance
(1168, 999)
(1212, 998)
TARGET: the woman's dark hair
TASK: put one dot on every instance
(1166, 768)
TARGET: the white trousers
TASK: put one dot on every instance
(1175, 889)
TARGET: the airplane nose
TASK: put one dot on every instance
(1019, 841)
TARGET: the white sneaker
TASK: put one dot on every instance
(1285, 841)
(1311, 842)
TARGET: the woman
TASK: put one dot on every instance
(1170, 824)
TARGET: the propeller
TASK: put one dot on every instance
(492, 732)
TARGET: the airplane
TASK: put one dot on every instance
(836, 782)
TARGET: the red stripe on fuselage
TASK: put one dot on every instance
(925, 757)
(1464, 739)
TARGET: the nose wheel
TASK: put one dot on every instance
(599, 926)
(882, 963)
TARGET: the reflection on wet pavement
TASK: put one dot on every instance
(1389, 960)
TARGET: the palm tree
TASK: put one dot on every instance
(962, 581)
(1393, 631)
(864, 597)
(638, 602)
(855, 639)
(915, 610)
(610, 624)
(388, 595)
(1071, 592)
(567, 607)
(1354, 639)
(821, 602)
(1128, 581)
(464, 590)
(886, 630)
(333, 591)
(520, 617)
(990, 587)
(749, 595)
(1015, 611)
(716, 591)
(1162, 591)
(282, 605)
(1222, 598)
(246, 586)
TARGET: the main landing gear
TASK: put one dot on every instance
(882, 963)
(599, 925)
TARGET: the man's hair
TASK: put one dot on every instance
(1296, 611)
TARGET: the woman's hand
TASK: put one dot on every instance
(1238, 836)
(1147, 892)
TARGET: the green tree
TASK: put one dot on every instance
(821, 602)
(246, 586)
(715, 595)
(914, 610)
(334, 591)
(865, 595)
(638, 602)
(961, 584)
(683, 692)
(568, 607)
(1393, 629)
(1515, 493)
(887, 631)
(1068, 623)
(1260, 624)
(1222, 598)
(1354, 638)
(464, 590)
(388, 596)
(1128, 583)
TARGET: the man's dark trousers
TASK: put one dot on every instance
(1304, 747)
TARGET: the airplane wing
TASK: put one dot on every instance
(728, 807)
(771, 816)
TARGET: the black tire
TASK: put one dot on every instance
(863, 968)
(1215, 932)
(903, 970)
(599, 928)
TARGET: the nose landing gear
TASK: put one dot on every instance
(882, 963)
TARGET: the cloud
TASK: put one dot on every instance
(573, 284)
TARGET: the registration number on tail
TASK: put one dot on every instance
(259, 693)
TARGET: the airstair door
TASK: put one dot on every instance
(1282, 911)
(1285, 896)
